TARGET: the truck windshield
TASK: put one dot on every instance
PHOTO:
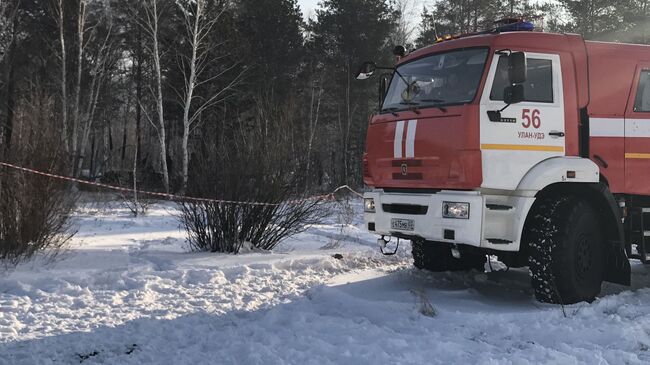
(443, 79)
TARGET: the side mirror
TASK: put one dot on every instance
(366, 71)
(513, 94)
(517, 68)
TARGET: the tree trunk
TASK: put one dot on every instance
(11, 77)
(11, 98)
(189, 91)
(105, 165)
(64, 82)
(92, 156)
(77, 90)
(92, 107)
(98, 78)
(159, 94)
(313, 123)
(161, 121)
(135, 180)
(138, 117)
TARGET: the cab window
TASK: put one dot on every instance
(538, 87)
(642, 101)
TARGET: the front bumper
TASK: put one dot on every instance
(495, 221)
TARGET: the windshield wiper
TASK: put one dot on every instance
(439, 101)
(392, 110)
(415, 107)
(436, 103)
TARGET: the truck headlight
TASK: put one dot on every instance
(369, 205)
(455, 210)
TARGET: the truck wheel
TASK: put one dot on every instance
(566, 254)
(437, 257)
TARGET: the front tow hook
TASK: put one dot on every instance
(383, 243)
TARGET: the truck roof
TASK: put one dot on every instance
(512, 39)
(604, 71)
(540, 40)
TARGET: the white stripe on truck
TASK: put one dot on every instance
(410, 138)
(619, 127)
(399, 136)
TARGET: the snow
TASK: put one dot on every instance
(128, 292)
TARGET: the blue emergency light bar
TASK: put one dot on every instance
(516, 27)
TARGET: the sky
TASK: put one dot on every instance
(309, 7)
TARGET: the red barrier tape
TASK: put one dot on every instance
(330, 196)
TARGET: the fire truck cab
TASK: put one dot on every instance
(531, 146)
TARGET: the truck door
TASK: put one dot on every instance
(637, 134)
(528, 132)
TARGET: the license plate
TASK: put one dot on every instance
(402, 224)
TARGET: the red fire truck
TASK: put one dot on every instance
(531, 146)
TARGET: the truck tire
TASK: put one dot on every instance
(566, 251)
(437, 257)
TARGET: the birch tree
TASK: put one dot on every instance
(102, 61)
(150, 22)
(60, 17)
(81, 30)
(404, 30)
(198, 27)
(314, 114)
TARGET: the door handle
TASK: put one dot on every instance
(556, 134)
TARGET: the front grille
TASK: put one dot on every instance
(411, 191)
(405, 209)
(408, 176)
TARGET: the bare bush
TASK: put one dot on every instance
(256, 164)
(34, 210)
(344, 214)
(216, 227)
(225, 227)
(136, 203)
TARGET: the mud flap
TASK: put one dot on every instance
(617, 265)
(617, 269)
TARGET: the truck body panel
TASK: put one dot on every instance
(401, 153)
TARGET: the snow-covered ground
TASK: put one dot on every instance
(128, 292)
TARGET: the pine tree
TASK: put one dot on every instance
(428, 31)
(346, 33)
(595, 19)
(451, 17)
(272, 32)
